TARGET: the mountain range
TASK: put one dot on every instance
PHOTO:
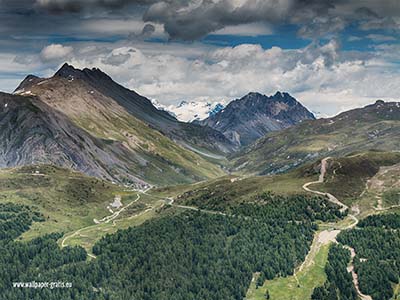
(245, 120)
(82, 119)
(373, 127)
(102, 129)
(194, 110)
(98, 83)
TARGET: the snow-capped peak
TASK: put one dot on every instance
(194, 111)
(191, 111)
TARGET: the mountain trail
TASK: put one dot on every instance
(321, 178)
(104, 220)
(331, 235)
(354, 274)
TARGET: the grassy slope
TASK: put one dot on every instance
(164, 157)
(161, 160)
(238, 189)
(347, 176)
(67, 199)
(147, 208)
(288, 288)
(373, 127)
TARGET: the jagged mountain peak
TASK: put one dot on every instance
(70, 72)
(246, 119)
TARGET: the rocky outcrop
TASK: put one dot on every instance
(31, 132)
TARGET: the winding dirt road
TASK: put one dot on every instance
(105, 220)
(354, 274)
(331, 235)
(331, 198)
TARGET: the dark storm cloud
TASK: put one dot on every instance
(193, 19)
(75, 6)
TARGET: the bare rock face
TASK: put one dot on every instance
(251, 117)
(31, 132)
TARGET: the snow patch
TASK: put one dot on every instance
(194, 111)
(42, 82)
(18, 92)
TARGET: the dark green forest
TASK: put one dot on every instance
(388, 221)
(27, 261)
(339, 284)
(16, 219)
(268, 205)
(187, 255)
(377, 246)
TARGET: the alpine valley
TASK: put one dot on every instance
(105, 196)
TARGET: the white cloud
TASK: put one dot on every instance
(253, 29)
(55, 52)
(381, 37)
(323, 77)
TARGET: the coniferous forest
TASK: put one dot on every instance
(339, 284)
(186, 255)
(377, 262)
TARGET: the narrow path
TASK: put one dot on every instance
(354, 274)
(344, 208)
(170, 201)
(105, 220)
(385, 208)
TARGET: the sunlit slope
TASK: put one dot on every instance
(375, 126)
(121, 147)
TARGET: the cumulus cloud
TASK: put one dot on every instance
(321, 76)
(55, 52)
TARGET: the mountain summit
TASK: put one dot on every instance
(246, 119)
(84, 120)
(100, 85)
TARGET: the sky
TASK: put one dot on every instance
(332, 55)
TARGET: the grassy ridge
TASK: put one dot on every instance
(372, 127)
(68, 200)
(233, 190)
(347, 176)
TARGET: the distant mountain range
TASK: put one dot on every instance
(246, 119)
(83, 120)
(192, 111)
(374, 127)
